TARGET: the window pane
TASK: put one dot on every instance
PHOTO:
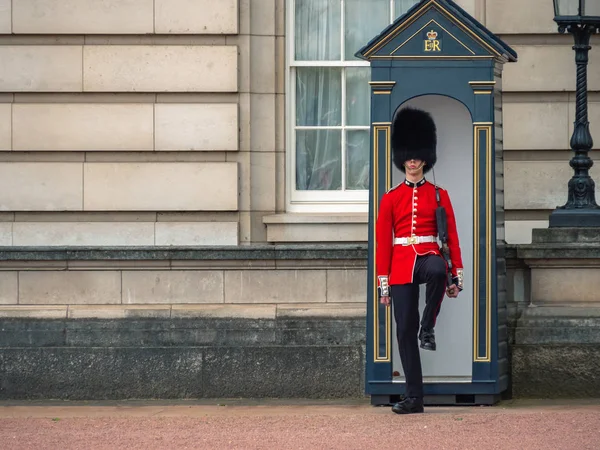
(358, 95)
(363, 20)
(318, 96)
(318, 159)
(401, 6)
(357, 160)
(592, 8)
(317, 30)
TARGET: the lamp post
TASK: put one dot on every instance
(581, 18)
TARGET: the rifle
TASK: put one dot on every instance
(442, 226)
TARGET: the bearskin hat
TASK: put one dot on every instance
(414, 136)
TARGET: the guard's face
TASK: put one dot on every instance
(414, 166)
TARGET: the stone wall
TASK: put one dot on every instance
(128, 122)
(181, 322)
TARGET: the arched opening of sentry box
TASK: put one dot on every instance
(454, 171)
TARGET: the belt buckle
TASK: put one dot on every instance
(412, 240)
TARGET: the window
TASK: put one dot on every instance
(328, 100)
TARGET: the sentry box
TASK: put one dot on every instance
(438, 58)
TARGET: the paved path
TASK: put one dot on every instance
(295, 424)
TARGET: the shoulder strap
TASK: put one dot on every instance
(437, 189)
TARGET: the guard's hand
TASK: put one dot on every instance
(452, 291)
(385, 301)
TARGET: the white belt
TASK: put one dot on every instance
(414, 240)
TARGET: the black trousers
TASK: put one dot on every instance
(429, 270)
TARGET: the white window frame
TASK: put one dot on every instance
(353, 201)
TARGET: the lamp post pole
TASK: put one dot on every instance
(581, 209)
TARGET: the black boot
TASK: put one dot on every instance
(427, 338)
(410, 405)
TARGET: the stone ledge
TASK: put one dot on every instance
(180, 331)
(565, 236)
(559, 251)
(559, 325)
(251, 252)
(185, 311)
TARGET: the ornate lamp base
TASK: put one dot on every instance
(575, 218)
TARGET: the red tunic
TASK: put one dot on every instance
(409, 210)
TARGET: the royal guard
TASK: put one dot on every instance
(417, 243)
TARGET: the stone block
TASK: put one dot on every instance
(262, 65)
(244, 58)
(316, 228)
(41, 187)
(545, 182)
(196, 17)
(242, 159)
(160, 68)
(119, 312)
(537, 370)
(48, 234)
(275, 286)
(160, 186)
(6, 233)
(564, 285)
(150, 287)
(5, 126)
(280, 66)
(262, 181)
(83, 127)
(326, 310)
(520, 231)
(280, 17)
(346, 285)
(8, 288)
(536, 126)
(530, 74)
(40, 68)
(515, 17)
(5, 17)
(32, 312)
(244, 122)
(69, 287)
(83, 17)
(283, 372)
(102, 373)
(262, 123)
(196, 233)
(208, 126)
(223, 311)
(262, 17)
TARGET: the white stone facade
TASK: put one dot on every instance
(163, 122)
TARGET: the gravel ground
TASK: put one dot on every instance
(297, 425)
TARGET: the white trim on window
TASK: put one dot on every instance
(339, 201)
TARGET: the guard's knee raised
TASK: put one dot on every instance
(438, 268)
